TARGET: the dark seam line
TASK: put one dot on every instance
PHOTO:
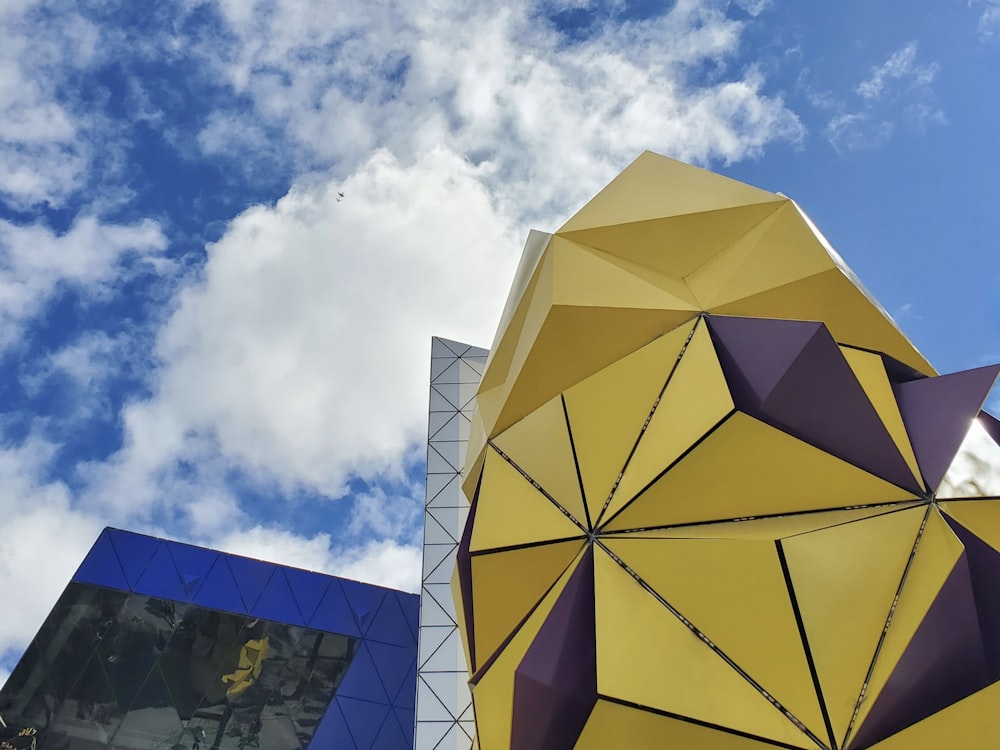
(576, 464)
(805, 640)
(719, 652)
(676, 461)
(649, 417)
(888, 622)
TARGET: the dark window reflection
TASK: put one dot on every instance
(116, 670)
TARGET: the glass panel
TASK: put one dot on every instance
(133, 672)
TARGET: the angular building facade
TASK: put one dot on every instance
(719, 501)
(160, 645)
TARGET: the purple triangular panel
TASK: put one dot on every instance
(463, 561)
(756, 353)
(555, 685)
(820, 401)
(984, 571)
(814, 397)
(937, 413)
(991, 424)
(943, 663)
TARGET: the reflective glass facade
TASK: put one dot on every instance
(156, 644)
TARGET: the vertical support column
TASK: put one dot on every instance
(444, 718)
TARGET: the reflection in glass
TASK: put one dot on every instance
(116, 670)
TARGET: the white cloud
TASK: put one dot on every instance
(901, 67)
(44, 539)
(898, 91)
(300, 356)
(384, 562)
(303, 353)
(753, 7)
(857, 132)
(989, 17)
(554, 120)
(36, 261)
(43, 157)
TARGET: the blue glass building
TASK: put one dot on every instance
(160, 645)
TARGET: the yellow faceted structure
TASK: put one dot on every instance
(719, 501)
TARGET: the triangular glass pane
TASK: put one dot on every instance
(308, 589)
(409, 605)
(334, 613)
(193, 564)
(101, 566)
(332, 731)
(134, 552)
(362, 679)
(364, 720)
(277, 603)
(364, 600)
(393, 664)
(160, 578)
(251, 577)
(389, 625)
(405, 718)
(219, 590)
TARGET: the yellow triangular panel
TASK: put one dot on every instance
(517, 513)
(771, 528)
(654, 186)
(583, 277)
(575, 342)
(695, 400)
(785, 251)
(676, 245)
(845, 580)
(937, 552)
(663, 665)
(747, 468)
(512, 334)
(672, 284)
(981, 517)
(506, 585)
(521, 289)
(734, 592)
(540, 445)
(608, 409)
(970, 724)
(869, 369)
(832, 297)
(493, 690)
(612, 725)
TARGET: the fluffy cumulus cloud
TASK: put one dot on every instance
(42, 156)
(420, 142)
(37, 262)
(303, 351)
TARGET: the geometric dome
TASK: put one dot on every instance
(718, 499)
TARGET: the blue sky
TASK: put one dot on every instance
(198, 340)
